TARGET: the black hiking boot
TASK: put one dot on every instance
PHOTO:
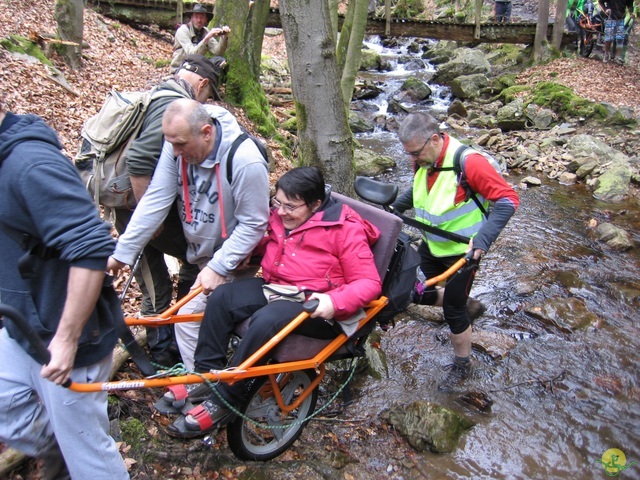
(456, 377)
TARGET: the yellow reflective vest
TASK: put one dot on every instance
(437, 207)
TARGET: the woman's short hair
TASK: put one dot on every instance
(303, 183)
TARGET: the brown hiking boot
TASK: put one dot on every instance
(475, 308)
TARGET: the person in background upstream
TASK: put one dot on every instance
(502, 9)
(195, 37)
(615, 11)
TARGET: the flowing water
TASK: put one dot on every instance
(569, 389)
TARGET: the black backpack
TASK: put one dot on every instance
(400, 280)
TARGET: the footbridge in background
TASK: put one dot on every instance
(164, 13)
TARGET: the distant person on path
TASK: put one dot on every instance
(53, 253)
(440, 199)
(615, 11)
(195, 37)
(503, 11)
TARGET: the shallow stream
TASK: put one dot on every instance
(569, 390)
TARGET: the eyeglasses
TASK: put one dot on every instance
(418, 152)
(287, 208)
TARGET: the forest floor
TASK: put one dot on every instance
(126, 58)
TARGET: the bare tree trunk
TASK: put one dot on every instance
(69, 17)
(541, 30)
(323, 129)
(354, 48)
(558, 23)
(258, 16)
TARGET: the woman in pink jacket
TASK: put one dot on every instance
(319, 246)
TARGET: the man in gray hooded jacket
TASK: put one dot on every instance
(197, 78)
(222, 221)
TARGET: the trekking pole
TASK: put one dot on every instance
(41, 354)
(134, 267)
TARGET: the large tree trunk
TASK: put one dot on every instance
(541, 30)
(242, 86)
(69, 16)
(323, 129)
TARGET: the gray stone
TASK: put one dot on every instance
(511, 116)
(359, 124)
(586, 168)
(613, 185)
(370, 164)
(615, 237)
(533, 181)
(565, 314)
(567, 178)
(496, 345)
(469, 86)
(466, 61)
(457, 107)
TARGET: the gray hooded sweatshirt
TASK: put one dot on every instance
(244, 209)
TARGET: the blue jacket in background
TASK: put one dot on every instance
(41, 195)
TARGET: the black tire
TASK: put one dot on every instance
(586, 40)
(251, 442)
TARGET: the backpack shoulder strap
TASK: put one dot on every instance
(458, 166)
(232, 151)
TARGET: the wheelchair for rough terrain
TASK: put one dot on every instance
(284, 392)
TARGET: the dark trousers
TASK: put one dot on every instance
(231, 304)
(456, 290)
(503, 12)
(171, 242)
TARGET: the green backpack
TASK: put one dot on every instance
(106, 138)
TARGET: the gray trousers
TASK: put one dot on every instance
(34, 412)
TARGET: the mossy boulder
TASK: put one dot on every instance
(428, 426)
(466, 61)
(613, 184)
(370, 59)
(564, 102)
(370, 163)
(469, 86)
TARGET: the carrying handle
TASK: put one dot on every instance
(42, 355)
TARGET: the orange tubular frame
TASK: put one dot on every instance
(248, 368)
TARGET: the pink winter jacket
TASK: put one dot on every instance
(329, 253)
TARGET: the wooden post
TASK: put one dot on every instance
(387, 16)
(478, 15)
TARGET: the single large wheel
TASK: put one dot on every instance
(252, 441)
(586, 41)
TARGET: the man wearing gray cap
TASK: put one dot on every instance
(196, 79)
(195, 37)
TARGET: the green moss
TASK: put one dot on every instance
(17, 44)
(162, 63)
(291, 125)
(619, 119)
(564, 102)
(509, 94)
(506, 81)
(133, 432)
